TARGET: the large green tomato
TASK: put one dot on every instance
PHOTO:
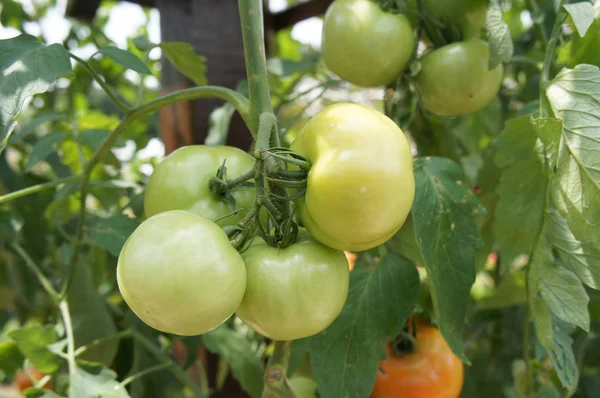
(179, 273)
(455, 79)
(466, 15)
(180, 182)
(361, 184)
(365, 45)
(293, 292)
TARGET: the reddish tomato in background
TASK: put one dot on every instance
(21, 382)
(430, 370)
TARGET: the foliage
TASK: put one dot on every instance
(501, 251)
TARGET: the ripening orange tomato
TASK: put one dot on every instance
(351, 257)
(21, 382)
(430, 370)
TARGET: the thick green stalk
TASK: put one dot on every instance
(276, 385)
(251, 12)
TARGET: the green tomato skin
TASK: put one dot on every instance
(455, 79)
(467, 15)
(365, 45)
(179, 273)
(303, 386)
(361, 184)
(293, 292)
(180, 182)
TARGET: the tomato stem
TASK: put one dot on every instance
(276, 385)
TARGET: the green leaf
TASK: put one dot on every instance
(93, 138)
(11, 358)
(286, 67)
(558, 288)
(28, 67)
(405, 243)
(574, 96)
(245, 362)
(111, 233)
(92, 380)
(563, 358)
(37, 393)
(521, 189)
(581, 257)
(44, 147)
(549, 130)
(582, 14)
(126, 59)
(345, 356)
(142, 43)
(33, 341)
(542, 321)
(445, 216)
(49, 116)
(219, 121)
(499, 40)
(185, 60)
(584, 50)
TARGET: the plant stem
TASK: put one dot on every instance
(275, 375)
(117, 336)
(36, 270)
(37, 188)
(251, 12)
(549, 58)
(236, 99)
(66, 315)
(144, 372)
(176, 370)
(102, 84)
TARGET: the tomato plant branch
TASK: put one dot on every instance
(37, 271)
(176, 370)
(145, 372)
(251, 12)
(37, 188)
(549, 58)
(236, 99)
(117, 336)
(66, 315)
(102, 83)
(276, 385)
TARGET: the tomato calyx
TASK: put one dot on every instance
(405, 342)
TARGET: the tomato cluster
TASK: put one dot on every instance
(180, 273)
(370, 47)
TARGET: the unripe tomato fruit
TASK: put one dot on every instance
(361, 184)
(467, 15)
(180, 182)
(179, 273)
(431, 370)
(21, 382)
(455, 79)
(365, 45)
(293, 292)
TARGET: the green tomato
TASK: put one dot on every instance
(179, 273)
(361, 184)
(455, 79)
(180, 182)
(468, 16)
(303, 386)
(293, 292)
(365, 45)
